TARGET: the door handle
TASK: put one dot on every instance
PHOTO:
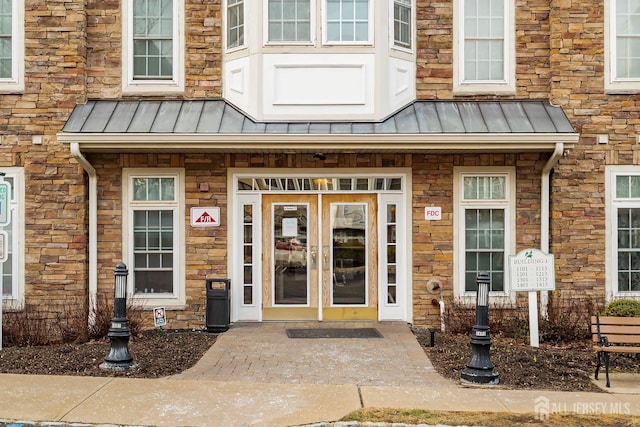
(314, 256)
(325, 257)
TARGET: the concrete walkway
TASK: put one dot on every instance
(249, 378)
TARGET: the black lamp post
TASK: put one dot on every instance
(119, 358)
(479, 369)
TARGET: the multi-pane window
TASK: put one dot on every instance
(622, 46)
(347, 21)
(153, 39)
(154, 231)
(484, 40)
(484, 219)
(235, 23)
(11, 46)
(627, 39)
(484, 47)
(392, 260)
(6, 39)
(10, 270)
(402, 23)
(248, 259)
(289, 20)
(627, 217)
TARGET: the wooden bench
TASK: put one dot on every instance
(614, 335)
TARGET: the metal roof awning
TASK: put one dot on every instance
(180, 126)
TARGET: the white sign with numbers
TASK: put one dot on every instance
(532, 270)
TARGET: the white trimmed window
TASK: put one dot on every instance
(485, 226)
(154, 234)
(484, 46)
(623, 247)
(402, 24)
(348, 22)
(289, 21)
(12, 270)
(11, 46)
(153, 46)
(235, 24)
(622, 45)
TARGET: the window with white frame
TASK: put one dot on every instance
(485, 223)
(348, 21)
(484, 33)
(153, 45)
(622, 44)
(11, 45)
(289, 21)
(154, 227)
(624, 220)
(402, 18)
(11, 270)
(235, 23)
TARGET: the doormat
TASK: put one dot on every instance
(334, 333)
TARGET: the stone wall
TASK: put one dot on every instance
(55, 192)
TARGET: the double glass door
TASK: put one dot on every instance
(320, 258)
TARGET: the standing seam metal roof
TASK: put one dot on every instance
(219, 117)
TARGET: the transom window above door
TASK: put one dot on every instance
(320, 184)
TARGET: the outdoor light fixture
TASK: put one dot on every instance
(119, 358)
(479, 369)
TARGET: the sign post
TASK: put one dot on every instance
(532, 270)
(5, 219)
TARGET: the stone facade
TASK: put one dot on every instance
(73, 53)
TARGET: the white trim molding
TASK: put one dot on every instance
(613, 83)
(463, 86)
(132, 86)
(15, 83)
(612, 204)
(177, 299)
(507, 203)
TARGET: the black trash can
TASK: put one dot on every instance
(218, 305)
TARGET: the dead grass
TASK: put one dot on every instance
(493, 419)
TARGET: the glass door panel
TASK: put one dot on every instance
(349, 250)
(290, 226)
(350, 259)
(289, 255)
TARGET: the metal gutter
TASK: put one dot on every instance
(93, 228)
(544, 242)
(327, 143)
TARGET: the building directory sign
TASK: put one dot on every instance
(532, 270)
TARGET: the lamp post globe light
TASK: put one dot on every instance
(119, 358)
(479, 369)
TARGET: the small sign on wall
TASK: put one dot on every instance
(159, 316)
(433, 213)
(205, 217)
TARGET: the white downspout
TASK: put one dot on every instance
(93, 229)
(544, 215)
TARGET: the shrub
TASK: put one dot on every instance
(27, 327)
(104, 314)
(623, 308)
(568, 318)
